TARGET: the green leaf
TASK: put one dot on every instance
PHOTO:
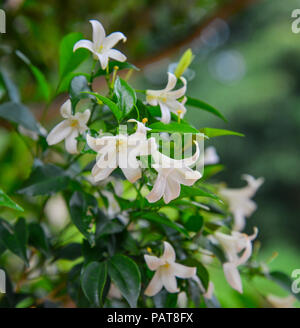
(282, 280)
(11, 88)
(93, 279)
(172, 128)
(44, 88)
(125, 95)
(204, 106)
(69, 60)
(45, 180)
(19, 114)
(79, 88)
(79, 204)
(194, 223)
(187, 191)
(15, 238)
(126, 275)
(69, 252)
(211, 170)
(37, 238)
(7, 202)
(113, 107)
(159, 218)
(65, 83)
(211, 133)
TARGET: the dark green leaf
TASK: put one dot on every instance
(45, 180)
(70, 252)
(93, 278)
(37, 238)
(7, 202)
(78, 89)
(15, 238)
(204, 106)
(211, 133)
(126, 275)
(19, 114)
(194, 223)
(125, 95)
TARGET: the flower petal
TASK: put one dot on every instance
(98, 33)
(155, 285)
(169, 280)
(87, 44)
(100, 174)
(233, 276)
(169, 253)
(103, 59)
(165, 113)
(153, 262)
(59, 133)
(182, 271)
(71, 142)
(158, 189)
(84, 117)
(132, 174)
(112, 39)
(116, 55)
(66, 109)
(172, 189)
(172, 80)
(179, 92)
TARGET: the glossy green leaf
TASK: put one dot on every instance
(15, 237)
(8, 202)
(172, 128)
(204, 106)
(19, 114)
(187, 191)
(79, 88)
(37, 238)
(126, 96)
(160, 218)
(70, 252)
(112, 106)
(93, 279)
(194, 223)
(126, 275)
(211, 133)
(45, 180)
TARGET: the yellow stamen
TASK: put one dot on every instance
(74, 123)
(144, 120)
(149, 250)
(167, 265)
(100, 48)
(179, 112)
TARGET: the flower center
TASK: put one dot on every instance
(166, 266)
(100, 48)
(74, 124)
(119, 144)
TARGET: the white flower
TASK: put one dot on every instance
(211, 156)
(281, 302)
(70, 128)
(233, 245)
(166, 271)
(121, 151)
(240, 204)
(171, 174)
(168, 99)
(102, 45)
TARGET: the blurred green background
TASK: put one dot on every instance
(247, 65)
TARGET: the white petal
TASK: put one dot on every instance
(172, 80)
(87, 44)
(84, 117)
(98, 33)
(233, 276)
(281, 302)
(169, 280)
(112, 39)
(71, 142)
(165, 113)
(66, 109)
(59, 133)
(182, 271)
(157, 190)
(169, 253)
(103, 59)
(210, 290)
(211, 156)
(239, 220)
(155, 285)
(132, 174)
(180, 92)
(100, 174)
(172, 190)
(116, 55)
(153, 262)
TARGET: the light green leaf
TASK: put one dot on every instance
(7, 202)
(172, 128)
(211, 133)
(204, 106)
(126, 275)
